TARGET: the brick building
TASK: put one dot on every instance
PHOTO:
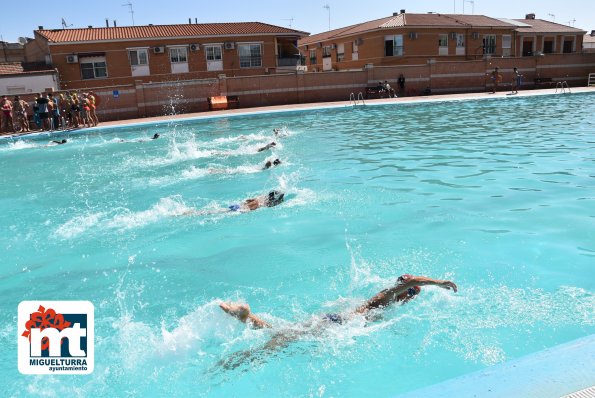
(413, 39)
(97, 57)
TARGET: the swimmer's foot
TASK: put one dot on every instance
(239, 311)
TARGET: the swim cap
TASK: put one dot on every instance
(274, 198)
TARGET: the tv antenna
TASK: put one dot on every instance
(129, 5)
(65, 25)
(472, 6)
(290, 21)
(553, 17)
(328, 8)
(571, 22)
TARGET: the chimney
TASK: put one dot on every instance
(40, 27)
(593, 33)
(189, 20)
(530, 16)
(90, 26)
(106, 23)
(115, 26)
(195, 20)
(403, 11)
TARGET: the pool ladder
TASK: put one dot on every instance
(356, 102)
(563, 86)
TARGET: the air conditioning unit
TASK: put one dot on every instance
(72, 59)
(229, 45)
(194, 47)
(413, 35)
(475, 35)
(159, 50)
(453, 35)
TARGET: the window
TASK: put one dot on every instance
(568, 44)
(138, 57)
(506, 45)
(548, 46)
(250, 55)
(313, 57)
(213, 53)
(340, 52)
(93, 67)
(443, 40)
(393, 46)
(460, 40)
(443, 44)
(178, 54)
(489, 44)
(326, 51)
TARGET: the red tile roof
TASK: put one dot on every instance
(164, 31)
(589, 39)
(541, 26)
(434, 20)
(10, 68)
(431, 20)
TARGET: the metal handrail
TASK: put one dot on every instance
(352, 98)
(591, 80)
(563, 85)
(361, 96)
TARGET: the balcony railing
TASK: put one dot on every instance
(289, 61)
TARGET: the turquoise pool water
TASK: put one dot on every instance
(495, 194)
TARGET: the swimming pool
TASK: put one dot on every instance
(495, 194)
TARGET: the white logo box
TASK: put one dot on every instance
(80, 362)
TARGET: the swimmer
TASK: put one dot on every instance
(269, 164)
(273, 198)
(267, 146)
(406, 288)
(57, 143)
(155, 136)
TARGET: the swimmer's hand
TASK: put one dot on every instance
(448, 285)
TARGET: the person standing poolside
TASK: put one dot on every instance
(20, 111)
(401, 85)
(92, 107)
(406, 288)
(389, 90)
(516, 80)
(54, 108)
(7, 122)
(44, 115)
(496, 79)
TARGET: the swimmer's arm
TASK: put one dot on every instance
(425, 281)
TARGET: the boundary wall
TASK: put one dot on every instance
(141, 100)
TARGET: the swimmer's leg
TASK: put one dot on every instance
(243, 313)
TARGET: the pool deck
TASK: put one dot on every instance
(564, 371)
(298, 107)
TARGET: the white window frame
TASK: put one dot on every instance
(181, 54)
(340, 52)
(313, 56)
(443, 44)
(255, 61)
(493, 48)
(138, 51)
(211, 53)
(397, 45)
(96, 67)
(506, 45)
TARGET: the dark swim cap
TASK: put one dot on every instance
(274, 198)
